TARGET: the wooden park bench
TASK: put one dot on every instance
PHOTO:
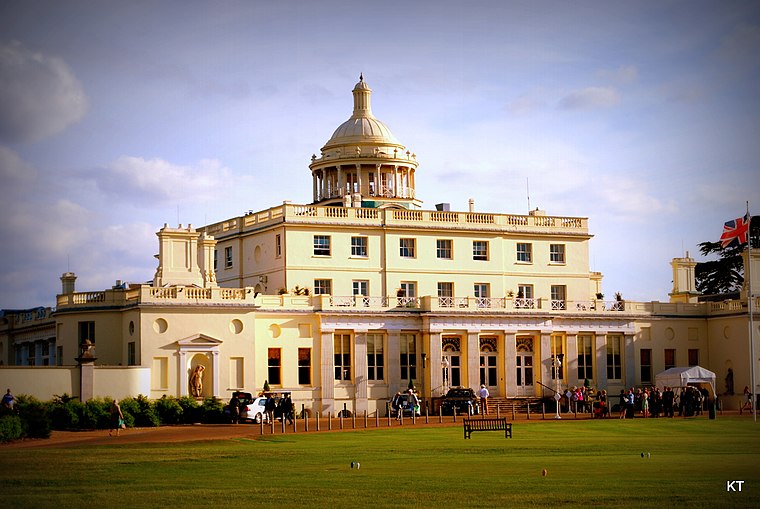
(472, 425)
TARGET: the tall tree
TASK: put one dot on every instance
(726, 274)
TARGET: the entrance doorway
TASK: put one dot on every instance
(488, 374)
(452, 370)
(524, 367)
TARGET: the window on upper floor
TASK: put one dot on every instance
(322, 287)
(524, 252)
(443, 250)
(406, 248)
(557, 253)
(216, 258)
(277, 245)
(670, 358)
(558, 296)
(693, 354)
(228, 257)
(524, 298)
(359, 246)
(360, 287)
(86, 331)
(321, 245)
(480, 250)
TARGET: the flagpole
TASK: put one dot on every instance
(749, 310)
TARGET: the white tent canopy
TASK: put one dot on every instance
(681, 377)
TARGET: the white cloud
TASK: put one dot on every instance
(525, 105)
(39, 95)
(139, 179)
(13, 169)
(623, 75)
(590, 98)
(630, 198)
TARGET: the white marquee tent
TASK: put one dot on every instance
(681, 377)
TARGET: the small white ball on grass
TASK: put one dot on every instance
(544, 472)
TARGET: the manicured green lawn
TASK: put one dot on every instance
(589, 463)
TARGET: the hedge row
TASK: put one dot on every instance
(32, 418)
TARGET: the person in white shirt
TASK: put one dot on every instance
(483, 395)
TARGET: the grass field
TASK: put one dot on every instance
(589, 463)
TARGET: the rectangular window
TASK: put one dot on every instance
(670, 358)
(558, 351)
(524, 299)
(408, 359)
(446, 294)
(342, 353)
(131, 354)
(323, 287)
(86, 331)
(556, 253)
(274, 366)
(443, 249)
(216, 259)
(645, 355)
(375, 358)
(693, 356)
(406, 248)
(359, 246)
(59, 356)
(585, 357)
(524, 252)
(321, 245)
(614, 366)
(228, 257)
(480, 250)
(481, 291)
(278, 245)
(558, 297)
(304, 366)
(360, 287)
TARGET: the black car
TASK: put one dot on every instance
(461, 401)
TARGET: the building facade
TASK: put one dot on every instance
(346, 300)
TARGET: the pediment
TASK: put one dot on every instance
(199, 340)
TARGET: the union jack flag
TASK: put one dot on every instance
(735, 233)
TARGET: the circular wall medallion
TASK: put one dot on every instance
(131, 328)
(727, 332)
(275, 330)
(669, 333)
(160, 325)
(236, 326)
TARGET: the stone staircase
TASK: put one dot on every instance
(520, 406)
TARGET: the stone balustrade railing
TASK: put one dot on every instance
(414, 218)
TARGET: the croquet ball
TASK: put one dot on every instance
(544, 472)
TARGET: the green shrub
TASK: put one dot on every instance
(96, 414)
(10, 427)
(169, 410)
(35, 418)
(213, 410)
(191, 410)
(139, 412)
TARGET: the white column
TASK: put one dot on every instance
(509, 358)
(544, 359)
(183, 381)
(341, 182)
(600, 360)
(328, 372)
(314, 189)
(360, 372)
(394, 362)
(359, 178)
(473, 359)
(377, 179)
(571, 360)
(630, 360)
(434, 358)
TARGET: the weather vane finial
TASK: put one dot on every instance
(361, 76)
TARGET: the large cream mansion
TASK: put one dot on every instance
(346, 300)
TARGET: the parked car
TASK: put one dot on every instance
(251, 408)
(461, 401)
(402, 402)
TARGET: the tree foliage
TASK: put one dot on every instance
(726, 273)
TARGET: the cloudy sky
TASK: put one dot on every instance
(118, 117)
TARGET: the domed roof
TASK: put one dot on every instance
(362, 127)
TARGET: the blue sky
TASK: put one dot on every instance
(118, 117)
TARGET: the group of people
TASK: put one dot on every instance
(274, 408)
(662, 403)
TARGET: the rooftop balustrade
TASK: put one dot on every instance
(313, 214)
